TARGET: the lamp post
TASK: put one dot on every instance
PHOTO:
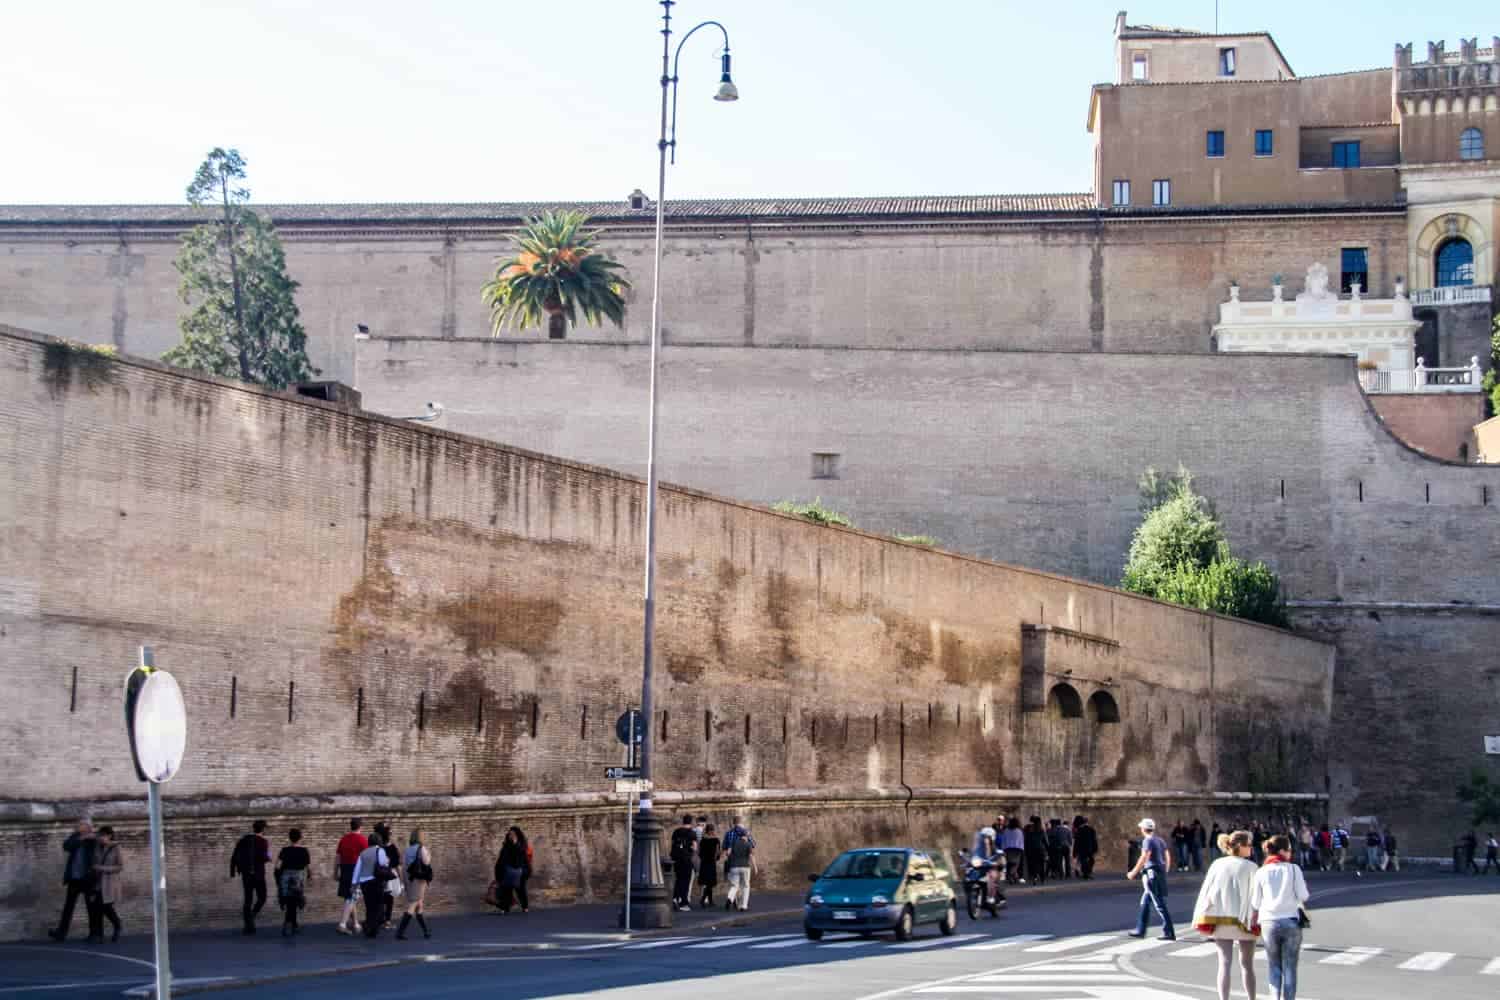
(648, 902)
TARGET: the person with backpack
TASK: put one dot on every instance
(741, 864)
(248, 861)
(393, 862)
(513, 871)
(371, 872)
(293, 869)
(418, 878)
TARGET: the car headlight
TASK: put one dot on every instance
(879, 901)
(815, 900)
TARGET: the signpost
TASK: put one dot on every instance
(156, 723)
(629, 730)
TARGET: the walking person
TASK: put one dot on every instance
(418, 879)
(107, 866)
(708, 865)
(1491, 854)
(350, 846)
(1277, 896)
(1213, 842)
(741, 864)
(293, 869)
(1340, 840)
(1392, 859)
(79, 877)
(1180, 845)
(1085, 847)
(370, 875)
(1013, 843)
(1325, 848)
(1223, 911)
(683, 852)
(1372, 850)
(1034, 839)
(1196, 840)
(393, 861)
(1152, 868)
(512, 870)
(1306, 845)
(251, 854)
(1470, 842)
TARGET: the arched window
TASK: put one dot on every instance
(1455, 263)
(1064, 702)
(1102, 708)
(1471, 144)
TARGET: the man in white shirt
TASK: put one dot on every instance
(1276, 896)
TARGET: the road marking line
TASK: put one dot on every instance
(723, 942)
(81, 951)
(933, 942)
(658, 943)
(1089, 967)
(1352, 956)
(1005, 942)
(1068, 944)
(68, 986)
(1113, 991)
(860, 942)
(1493, 969)
(1196, 951)
(1130, 947)
(797, 941)
(1058, 977)
(1428, 961)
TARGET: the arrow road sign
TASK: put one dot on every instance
(619, 773)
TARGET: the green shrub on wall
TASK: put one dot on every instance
(814, 511)
(1491, 379)
(1179, 554)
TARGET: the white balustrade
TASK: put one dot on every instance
(1423, 379)
(1451, 295)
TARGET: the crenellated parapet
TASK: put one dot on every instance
(1468, 79)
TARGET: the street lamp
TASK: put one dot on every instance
(648, 903)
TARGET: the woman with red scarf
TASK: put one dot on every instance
(1277, 895)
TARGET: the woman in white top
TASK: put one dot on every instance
(1223, 909)
(418, 878)
(1277, 895)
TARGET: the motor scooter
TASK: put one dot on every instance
(977, 886)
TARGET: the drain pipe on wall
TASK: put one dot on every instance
(909, 793)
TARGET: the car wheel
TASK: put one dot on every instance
(813, 934)
(950, 919)
(904, 925)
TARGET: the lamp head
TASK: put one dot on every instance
(727, 90)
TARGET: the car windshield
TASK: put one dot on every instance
(868, 864)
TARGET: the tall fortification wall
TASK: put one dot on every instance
(1065, 281)
(372, 616)
(1032, 458)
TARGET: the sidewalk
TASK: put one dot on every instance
(222, 959)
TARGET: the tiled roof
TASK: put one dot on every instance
(603, 211)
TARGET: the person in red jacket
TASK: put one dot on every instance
(350, 846)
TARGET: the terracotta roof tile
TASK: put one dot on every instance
(603, 211)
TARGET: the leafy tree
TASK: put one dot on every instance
(557, 272)
(242, 321)
(1179, 554)
(1482, 796)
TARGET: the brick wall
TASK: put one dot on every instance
(1441, 424)
(358, 605)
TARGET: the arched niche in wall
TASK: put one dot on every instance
(1444, 229)
(1064, 702)
(1102, 709)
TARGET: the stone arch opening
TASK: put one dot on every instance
(1064, 702)
(1455, 263)
(1103, 710)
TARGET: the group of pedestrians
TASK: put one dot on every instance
(1239, 901)
(1036, 852)
(696, 851)
(1467, 849)
(92, 873)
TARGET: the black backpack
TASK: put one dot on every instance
(242, 861)
(417, 869)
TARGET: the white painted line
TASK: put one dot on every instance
(1493, 969)
(858, 943)
(1093, 968)
(1352, 956)
(724, 942)
(68, 986)
(1196, 951)
(54, 949)
(657, 943)
(1005, 942)
(1428, 961)
(1068, 944)
(1104, 991)
(1058, 977)
(1131, 947)
(593, 947)
(933, 942)
(795, 942)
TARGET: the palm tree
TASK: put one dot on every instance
(557, 272)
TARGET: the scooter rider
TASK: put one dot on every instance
(986, 849)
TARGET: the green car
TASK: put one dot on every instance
(882, 889)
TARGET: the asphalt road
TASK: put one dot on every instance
(1374, 939)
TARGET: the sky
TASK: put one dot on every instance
(458, 100)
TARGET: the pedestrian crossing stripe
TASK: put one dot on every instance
(1068, 944)
(1357, 955)
(1196, 951)
(1493, 969)
(1004, 942)
(1428, 961)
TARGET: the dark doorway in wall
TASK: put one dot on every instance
(1102, 709)
(1426, 339)
(1063, 702)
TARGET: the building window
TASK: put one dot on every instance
(1216, 143)
(1264, 145)
(1455, 263)
(1161, 192)
(1122, 192)
(1471, 144)
(1355, 265)
(1226, 62)
(825, 465)
(1138, 66)
(1346, 154)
